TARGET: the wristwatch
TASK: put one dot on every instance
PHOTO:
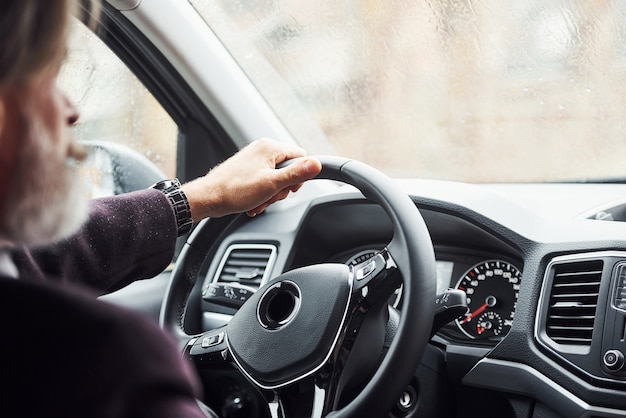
(172, 189)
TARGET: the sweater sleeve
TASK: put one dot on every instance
(88, 359)
(127, 237)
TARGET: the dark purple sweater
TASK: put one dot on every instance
(63, 353)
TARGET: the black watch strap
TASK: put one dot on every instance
(172, 189)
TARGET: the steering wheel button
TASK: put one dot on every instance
(212, 340)
(207, 342)
(366, 270)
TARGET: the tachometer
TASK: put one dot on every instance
(491, 287)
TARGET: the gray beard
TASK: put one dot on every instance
(46, 201)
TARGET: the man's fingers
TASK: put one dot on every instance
(299, 171)
(278, 196)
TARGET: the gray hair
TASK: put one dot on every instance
(33, 35)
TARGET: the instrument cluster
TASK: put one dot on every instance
(490, 282)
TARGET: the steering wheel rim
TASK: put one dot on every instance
(412, 251)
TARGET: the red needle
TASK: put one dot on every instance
(476, 312)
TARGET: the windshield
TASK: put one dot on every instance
(477, 91)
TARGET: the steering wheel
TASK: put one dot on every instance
(322, 326)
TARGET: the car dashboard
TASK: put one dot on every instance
(543, 267)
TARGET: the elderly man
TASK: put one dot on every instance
(63, 352)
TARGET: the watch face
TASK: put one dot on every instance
(166, 184)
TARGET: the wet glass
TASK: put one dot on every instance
(114, 107)
(477, 91)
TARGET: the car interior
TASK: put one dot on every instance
(405, 295)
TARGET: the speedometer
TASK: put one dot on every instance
(492, 288)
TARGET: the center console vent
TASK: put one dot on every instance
(241, 271)
(581, 315)
(573, 301)
(246, 264)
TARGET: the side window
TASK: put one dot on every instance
(132, 140)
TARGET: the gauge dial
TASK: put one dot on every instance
(491, 287)
(489, 322)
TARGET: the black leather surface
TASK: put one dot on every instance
(277, 356)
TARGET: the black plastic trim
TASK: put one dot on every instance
(521, 379)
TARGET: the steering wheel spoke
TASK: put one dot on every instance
(316, 400)
(376, 278)
(209, 350)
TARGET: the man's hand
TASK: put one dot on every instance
(249, 180)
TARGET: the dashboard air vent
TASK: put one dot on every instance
(247, 264)
(573, 301)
